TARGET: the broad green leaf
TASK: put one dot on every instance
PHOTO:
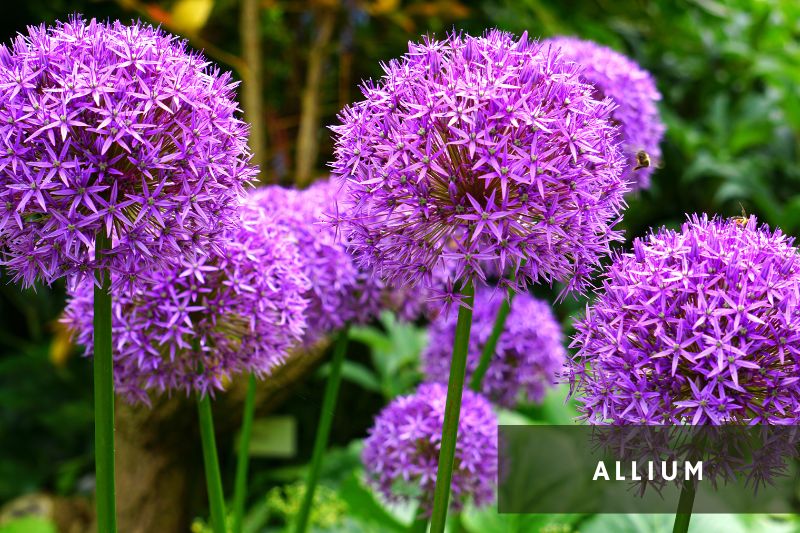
(363, 506)
(275, 436)
(29, 524)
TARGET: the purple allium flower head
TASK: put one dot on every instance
(700, 325)
(402, 451)
(196, 322)
(113, 128)
(478, 153)
(633, 90)
(530, 353)
(340, 292)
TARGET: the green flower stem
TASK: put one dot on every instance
(323, 429)
(455, 388)
(216, 500)
(243, 459)
(685, 504)
(491, 343)
(105, 500)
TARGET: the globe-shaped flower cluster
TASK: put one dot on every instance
(339, 293)
(402, 451)
(699, 326)
(193, 324)
(477, 153)
(530, 352)
(113, 129)
(634, 91)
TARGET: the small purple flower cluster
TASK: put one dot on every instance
(529, 356)
(698, 326)
(116, 129)
(402, 451)
(634, 91)
(193, 324)
(478, 153)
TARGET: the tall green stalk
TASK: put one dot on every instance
(243, 458)
(323, 429)
(105, 499)
(216, 499)
(452, 412)
(491, 344)
(685, 504)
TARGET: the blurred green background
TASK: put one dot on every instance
(729, 72)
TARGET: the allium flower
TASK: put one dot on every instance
(478, 153)
(341, 292)
(529, 355)
(199, 321)
(113, 128)
(700, 325)
(633, 90)
(402, 451)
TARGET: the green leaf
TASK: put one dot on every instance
(395, 354)
(373, 338)
(488, 520)
(358, 374)
(29, 524)
(363, 506)
(274, 436)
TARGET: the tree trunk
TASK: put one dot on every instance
(159, 465)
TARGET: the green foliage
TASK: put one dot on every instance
(45, 402)
(395, 354)
(29, 524)
(327, 511)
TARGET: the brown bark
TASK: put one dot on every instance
(159, 465)
(252, 84)
(307, 135)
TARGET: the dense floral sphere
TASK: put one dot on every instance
(529, 355)
(339, 292)
(195, 323)
(402, 451)
(700, 325)
(116, 129)
(633, 90)
(478, 153)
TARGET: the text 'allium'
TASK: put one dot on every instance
(634, 91)
(401, 453)
(477, 153)
(699, 326)
(116, 129)
(530, 352)
(195, 323)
